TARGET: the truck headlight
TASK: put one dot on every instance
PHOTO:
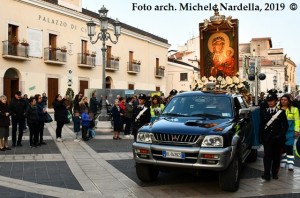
(212, 141)
(144, 137)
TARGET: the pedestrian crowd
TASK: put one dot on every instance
(24, 112)
(128, 114)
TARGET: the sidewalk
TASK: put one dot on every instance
(103, 167)
(96, 177)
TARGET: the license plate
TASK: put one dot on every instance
(173, 154)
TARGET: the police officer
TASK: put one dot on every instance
(172, 93)
(274, 125)
(141, 115)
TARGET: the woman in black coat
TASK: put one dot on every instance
(117, 114)
(32, 122)
(4, 124)
(60, 115)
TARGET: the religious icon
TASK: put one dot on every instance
(220, 56)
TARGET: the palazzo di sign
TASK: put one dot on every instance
(61, 23)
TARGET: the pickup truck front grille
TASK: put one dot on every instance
(177, 138)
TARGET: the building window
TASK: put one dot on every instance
(131, 86)
(52, 41)
(130, 56)
(13, 33)
(108, 56)
(157, 88)
(183, 76)
(157, 62)
(84, 52)
(52, 47)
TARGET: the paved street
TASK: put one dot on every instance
(103, 167)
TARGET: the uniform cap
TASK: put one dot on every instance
(173, 92)
(271, 97)
(142, 96)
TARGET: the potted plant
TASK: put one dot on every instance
(24, 43)
(112, 57)
(93, 54)
(117, 58)
(162, 67)
(63, 49)
(87, 53)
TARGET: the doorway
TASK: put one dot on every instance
(10, 83)
(83, 84)
(52, 90)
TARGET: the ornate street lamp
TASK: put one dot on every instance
(103, 36)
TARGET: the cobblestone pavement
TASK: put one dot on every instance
(103, 167)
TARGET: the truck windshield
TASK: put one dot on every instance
(199, 106)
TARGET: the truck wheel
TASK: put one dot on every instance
(229, 179)
(145, 172)
(252, 157)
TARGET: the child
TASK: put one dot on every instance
(76, 122)
(91, 131)
(85, 123)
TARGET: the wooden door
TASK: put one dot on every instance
(83, 84)
(10, 86)
(52, 90)
(52, 47)
(84, 52)
(108, 56)
(130, 61)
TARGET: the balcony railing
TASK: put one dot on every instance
(159, 72)
(133, 68)
(112, 65)
(15, 50)
(55, 56)
(86, 60)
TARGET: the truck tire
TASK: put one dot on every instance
(229, 179)
(146, 172)
(252, 157)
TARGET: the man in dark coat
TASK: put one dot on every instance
(17, 108)
(141, 115)
(94, 103)
(274, 125)
(60, 115)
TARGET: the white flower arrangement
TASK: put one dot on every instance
(231, 84)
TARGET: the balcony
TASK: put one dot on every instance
(55, 56)
(133, 68)
(15, 50)
(86, 60)
(159, 71)
(112, 64)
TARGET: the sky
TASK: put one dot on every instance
(276, 19)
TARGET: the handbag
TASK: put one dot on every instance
(48, 118)
(297, 148)
(69, 117)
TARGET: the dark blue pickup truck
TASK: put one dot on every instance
(212, 130)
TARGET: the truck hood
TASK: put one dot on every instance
(192, 125)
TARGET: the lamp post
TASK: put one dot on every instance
(103, 36)
(275, 81)
(255, 75)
